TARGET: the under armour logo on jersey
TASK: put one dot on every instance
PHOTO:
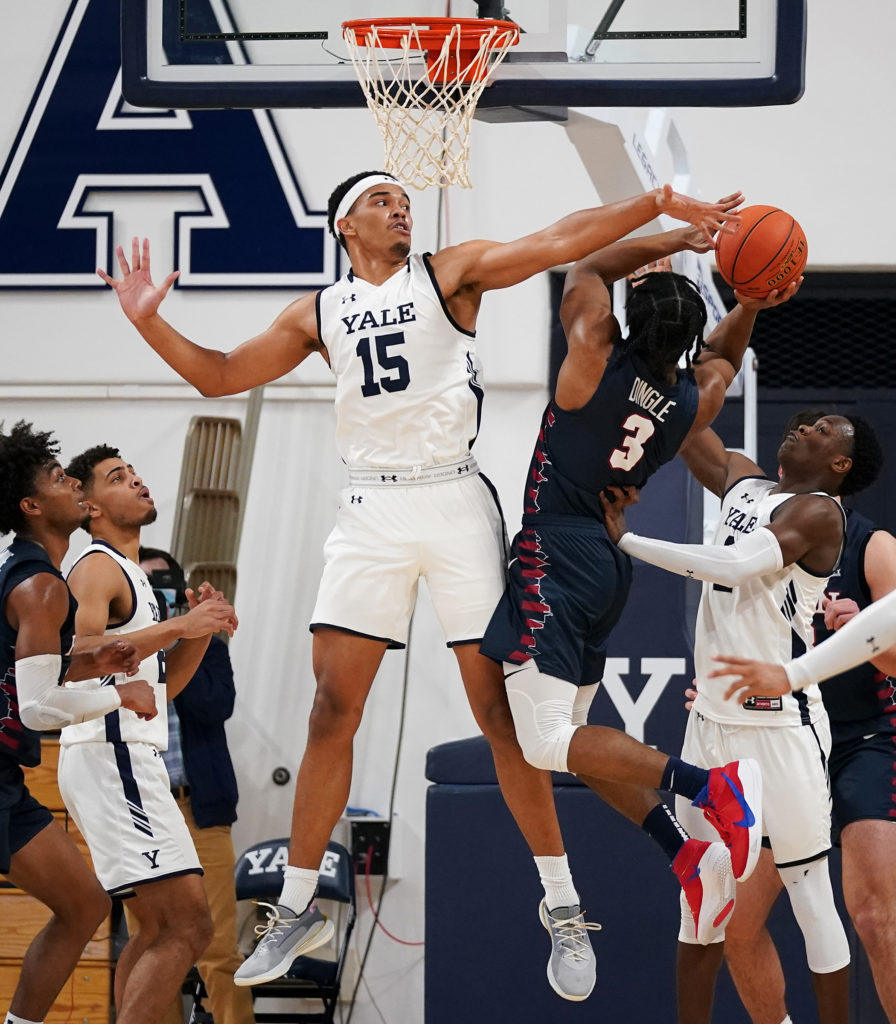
(385, 478)
(349, 298)
(745, 497)
(356, 498)
(463, 469)
(152, 856)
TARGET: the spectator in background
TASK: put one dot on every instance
(204, 784)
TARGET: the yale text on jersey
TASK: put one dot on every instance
(402, 314)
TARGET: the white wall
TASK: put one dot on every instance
(71, 363)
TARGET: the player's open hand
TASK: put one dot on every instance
(751, 678)
(838, 613)
(139, 297)
(774, 298)
(138, 696)
(708, 218)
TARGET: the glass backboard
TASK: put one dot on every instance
(582, 53)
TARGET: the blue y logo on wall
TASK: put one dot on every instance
(81, 150)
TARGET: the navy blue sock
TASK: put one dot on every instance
(663, 828)
(684, 779)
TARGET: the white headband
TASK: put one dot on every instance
(357, 190)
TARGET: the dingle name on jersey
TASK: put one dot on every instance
(650, 399)
(385, 318)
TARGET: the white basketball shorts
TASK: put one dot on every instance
(120, 798)
(796, 799)
(386, 537)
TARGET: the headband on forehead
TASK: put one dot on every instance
(357, 190)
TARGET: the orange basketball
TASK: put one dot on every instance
(766, 250)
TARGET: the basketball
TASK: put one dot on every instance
(766, 250)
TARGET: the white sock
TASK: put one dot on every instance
(11, 1018)
(298, 888)
(557, 881)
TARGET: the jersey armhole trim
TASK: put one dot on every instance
(740, 480)
(435, 284)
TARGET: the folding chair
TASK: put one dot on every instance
(259, 875)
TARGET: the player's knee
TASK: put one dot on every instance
(874, 919)
(333, 714)
(812, 901)
(544, 731)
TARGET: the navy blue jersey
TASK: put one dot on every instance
(861, 693)
(632, 424)
(19, 562)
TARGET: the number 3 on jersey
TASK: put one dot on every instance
(399, 375)
(630, 453)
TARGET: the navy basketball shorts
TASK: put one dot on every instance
(567, 587)
(863, 775)
(21, 816)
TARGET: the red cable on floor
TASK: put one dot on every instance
(380, 924)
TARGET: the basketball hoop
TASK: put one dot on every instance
(424, 115)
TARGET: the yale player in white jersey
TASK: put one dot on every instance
(776, 544)
(111, 774)
(399, 333)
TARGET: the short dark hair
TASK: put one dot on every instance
(867, 457)
(336, 198)
(666, 317)
(145, 554)
(24, 452)
(867, 454)
(81, 468)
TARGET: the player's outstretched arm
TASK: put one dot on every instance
(717, 365)
(862, 639)
(266, 357)
(484, 266)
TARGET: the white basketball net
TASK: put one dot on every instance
(424, 118)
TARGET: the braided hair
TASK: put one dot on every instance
(666, 318)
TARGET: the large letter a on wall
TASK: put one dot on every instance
(80, 152)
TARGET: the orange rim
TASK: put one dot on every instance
(431, 32)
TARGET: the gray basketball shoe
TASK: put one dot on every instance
(572, 969)
(281, 940)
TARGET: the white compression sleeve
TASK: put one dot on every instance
(871, 631)
(44, 704)
(754, 554)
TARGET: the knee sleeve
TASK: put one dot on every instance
(542, 708)
(812, 900)
(584, 698)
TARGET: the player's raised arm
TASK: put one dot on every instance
(267, 356)
(717, 365)
(484, 266)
